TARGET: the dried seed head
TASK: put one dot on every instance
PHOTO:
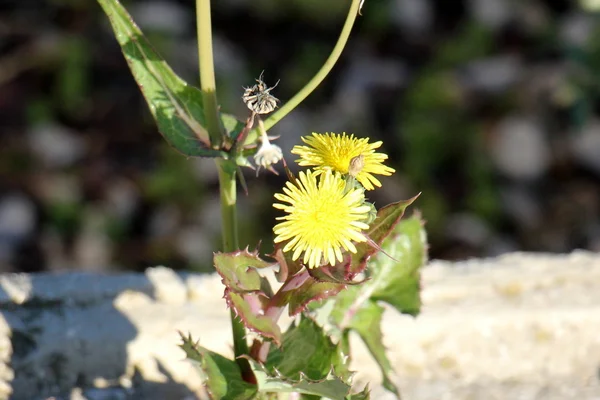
(258, 99)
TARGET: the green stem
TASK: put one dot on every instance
(227, 187)
(227, 169)
(207, 72)
(320, 76)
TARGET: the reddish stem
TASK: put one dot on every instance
(260, 349)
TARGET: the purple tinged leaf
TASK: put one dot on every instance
(246, 307)
(287, 267)
(238, 270)
(310, 291)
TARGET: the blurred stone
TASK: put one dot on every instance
(520, 149)
(491, 13)
(92, 250)
(205, 169)
(164, 222)
(532, 17)
(17, 222)
(122, 197)
(58, 187)
(576, 29)
(414, 16)
(169, 287)
(209, 216)
(498, 245)
(496, 74)
(167, 16)
(467, 228)
(520, 204)
(366, 72)
(55, 145)
(193, 243)
(586, 145)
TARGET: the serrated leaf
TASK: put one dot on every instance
(394, 279)
(331, 386)
(365, 394)
(287, 266)
(238, 270)
(307, 350)
(175, 105)
(310, 291)
(398, 279)
(221, 376)
(248, 308)
(367, 323)
(387, 218)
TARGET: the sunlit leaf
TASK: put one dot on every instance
(330, 387)
(307, 350)
(387, 218)
(238, 270)
(221, 376)
(175, 105)
(394, 279)
(248, 308)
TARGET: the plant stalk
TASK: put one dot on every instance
(226, 168)
(207, 72)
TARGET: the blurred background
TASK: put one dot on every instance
(488, 107)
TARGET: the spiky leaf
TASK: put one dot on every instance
(394, 279)
(307, 350)
(248, 308)
(238, 270)
(311, 290)
(387, 218)
(221, 376)
(331, 386)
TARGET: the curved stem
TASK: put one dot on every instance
(319, 76)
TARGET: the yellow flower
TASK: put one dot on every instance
(337, 152)
(322, 217)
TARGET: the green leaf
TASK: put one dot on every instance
(394, 279)
(387, 218)
(306, 350)
(367, 323)
(331, 386)
(221, 376)
(365, 394)
(238, 270)
(176, 106)
(398, 282)
(249, 309)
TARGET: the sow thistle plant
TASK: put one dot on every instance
(338, 260)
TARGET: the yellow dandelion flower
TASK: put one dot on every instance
(322, 217)
(338, 152)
